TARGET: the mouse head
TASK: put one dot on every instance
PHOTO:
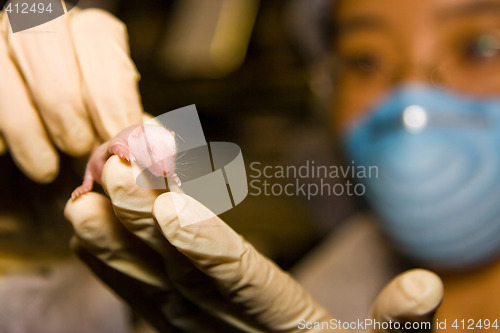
(153, 148)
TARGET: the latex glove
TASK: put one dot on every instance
(411, 299)
(203, 277)
(65, 84)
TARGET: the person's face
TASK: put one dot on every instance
(385, 43)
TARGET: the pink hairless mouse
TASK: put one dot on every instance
(151, 146)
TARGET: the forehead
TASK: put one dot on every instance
(412, 23)
(402, 10)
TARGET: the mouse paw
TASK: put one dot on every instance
(88, 183)
(82, 189)
(120, 150)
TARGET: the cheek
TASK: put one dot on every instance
(351, 102)
(473, 81)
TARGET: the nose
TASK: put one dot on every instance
(419, 60)
(418, 72)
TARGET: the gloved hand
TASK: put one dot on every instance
(67, 83)
(204, 277)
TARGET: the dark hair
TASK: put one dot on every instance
(311, 27)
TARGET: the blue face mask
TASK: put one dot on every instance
(438, 185)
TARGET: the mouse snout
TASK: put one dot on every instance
(162, 168)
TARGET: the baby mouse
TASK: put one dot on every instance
(151, 146)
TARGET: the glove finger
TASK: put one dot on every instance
(109, 75)
(132, 268)
(3, 145)
(196, 286)
(252, 282)
(132, 204)
(21, 126)
(410, 299)
(98, 231)
(47, 62)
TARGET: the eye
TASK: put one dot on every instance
(483, 47)
(365, 63)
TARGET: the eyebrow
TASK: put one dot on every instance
(360, 23)
(363, 22)
(470, 8)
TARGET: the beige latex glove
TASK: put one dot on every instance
(204, 277)
(411, 299)
(65, 84)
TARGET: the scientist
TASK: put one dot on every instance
(417, 93)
